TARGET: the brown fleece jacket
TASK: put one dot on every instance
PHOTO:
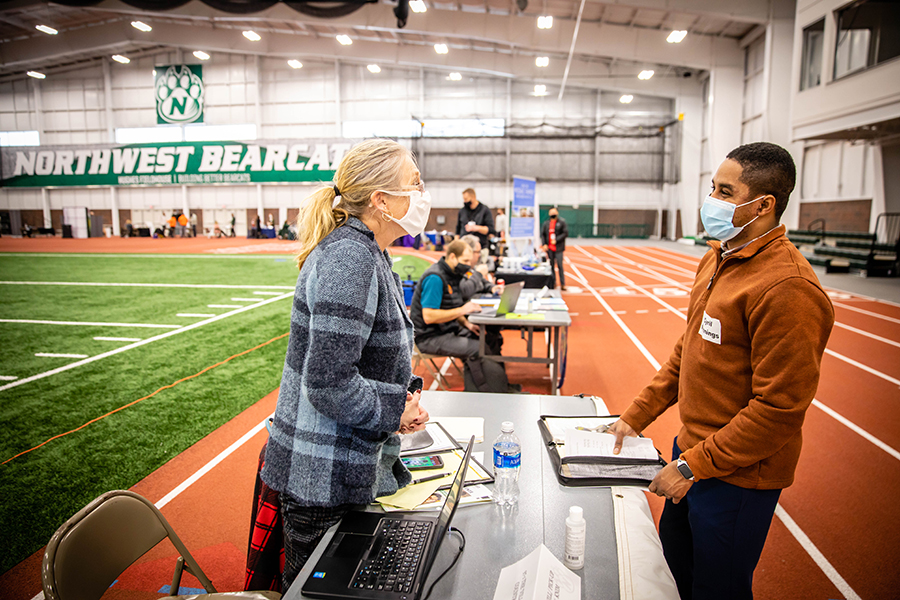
(747, 366)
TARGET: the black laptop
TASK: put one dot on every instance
(384, 556)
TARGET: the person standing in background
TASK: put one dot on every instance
(194, 224)
(553, 234)
(475, 218)
(501, 223)
(233, 220)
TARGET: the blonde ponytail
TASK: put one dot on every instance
(369, 166)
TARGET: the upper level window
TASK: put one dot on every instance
(813, 45)
(868, 34)
(20, 138)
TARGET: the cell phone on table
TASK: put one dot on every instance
(417, 463)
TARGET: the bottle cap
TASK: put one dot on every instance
(576, 513)
(506, 427)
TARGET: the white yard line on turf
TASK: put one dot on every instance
(154, 285)
(795, 530)
(266, 293)
(90, 323)
(201, 315)
(158, 255)
(117, 339)
(8, 377)
(246, 299)
(54, 355)
(225, 305)
(146, 341)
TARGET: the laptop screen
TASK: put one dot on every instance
(448, 510)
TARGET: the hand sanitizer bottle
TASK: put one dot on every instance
(575, 530)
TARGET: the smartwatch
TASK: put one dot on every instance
(684, 469)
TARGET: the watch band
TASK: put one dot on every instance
(684, 469)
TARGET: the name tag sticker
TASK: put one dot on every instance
(711, 329)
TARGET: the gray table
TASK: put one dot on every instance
(553, 321)
(496, 538)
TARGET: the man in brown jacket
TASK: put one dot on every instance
(743, 374)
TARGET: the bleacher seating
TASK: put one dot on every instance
(875, 253)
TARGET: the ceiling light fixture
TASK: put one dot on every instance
(542, 61)
(295, 64)
(252, 35)
(454, 76)
(344, 40)
(374, 69)
(141, 26)
(46, 29)
(121, 59)
(626, 99)
(441, 48)
(646, 74)
(676, 36)
(417, 6)
(545, 22)
(201, 54)
(540, 90)
(36, 75)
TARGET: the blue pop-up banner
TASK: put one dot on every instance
(524, 208)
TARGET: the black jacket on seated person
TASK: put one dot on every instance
(451, 298)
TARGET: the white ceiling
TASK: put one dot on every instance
(616, 40)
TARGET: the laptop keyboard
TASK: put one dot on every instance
(397, 559)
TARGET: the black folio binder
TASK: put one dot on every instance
(582, 471)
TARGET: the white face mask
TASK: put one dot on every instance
(416, 217)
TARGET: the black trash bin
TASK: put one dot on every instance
(67, 231)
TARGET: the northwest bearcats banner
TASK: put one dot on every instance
(192, 163)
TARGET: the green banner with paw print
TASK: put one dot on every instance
(180, 94)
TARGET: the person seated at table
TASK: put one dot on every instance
(438, 310)
(478, 279)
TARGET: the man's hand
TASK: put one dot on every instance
(620, 429)
(497, 289)
(414, 416)
(470, 307)
(670, 483)
(483, 270)
(470, 227)
(471, 326)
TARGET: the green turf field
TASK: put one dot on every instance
(40, 490)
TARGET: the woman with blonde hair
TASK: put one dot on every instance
(347, 386)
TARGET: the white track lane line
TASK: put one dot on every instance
(53, 355)
(443, 371)
(146, 341)
(117, 339)
(839, 582)
(209, 466)
(90, 323)
(848, 360)
(856, 428)
(795, 530)
(669, 266)
(866, 312)
(154, 285)
(867, 334)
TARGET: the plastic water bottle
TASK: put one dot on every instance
(507, 457)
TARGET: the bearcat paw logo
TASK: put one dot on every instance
(179, 95)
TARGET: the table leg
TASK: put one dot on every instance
(554, 365)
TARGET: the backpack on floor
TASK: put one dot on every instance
(483, 374)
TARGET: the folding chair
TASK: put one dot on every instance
(90, 550)
(432, 367)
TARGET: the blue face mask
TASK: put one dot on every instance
(717, 216)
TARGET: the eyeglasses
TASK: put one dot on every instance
(419, 186)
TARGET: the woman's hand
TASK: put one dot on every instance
(414, 416)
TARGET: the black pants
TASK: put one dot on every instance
(712, 539)
(462, 344)
(304, 528)
(556, 264)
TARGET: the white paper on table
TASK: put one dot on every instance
(462, 428)
(537, 576)
(590, 443)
